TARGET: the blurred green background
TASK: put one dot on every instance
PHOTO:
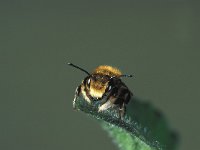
(158, 41)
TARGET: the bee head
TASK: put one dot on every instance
(98, 81)
(96, 84)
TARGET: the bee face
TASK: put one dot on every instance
(96, 85)
(104, 85)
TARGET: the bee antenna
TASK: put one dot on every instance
(126, 75)
(78, 68)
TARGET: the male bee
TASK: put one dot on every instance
(104, 85)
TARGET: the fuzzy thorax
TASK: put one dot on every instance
(107, 70)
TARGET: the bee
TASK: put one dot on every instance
(104, 85)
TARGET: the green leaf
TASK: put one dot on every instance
(143, 127)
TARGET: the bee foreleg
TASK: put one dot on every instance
(107, 100)
(77, 93)
(105, 106)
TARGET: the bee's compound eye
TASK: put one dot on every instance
(88, 82)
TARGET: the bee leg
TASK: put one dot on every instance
(77, 93)
(122, 111)
(90, 98)
(105, 106)
(107, 100)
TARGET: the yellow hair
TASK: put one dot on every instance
(107, 70)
